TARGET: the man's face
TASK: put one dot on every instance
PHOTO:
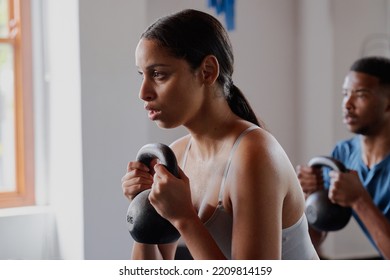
(364, 105)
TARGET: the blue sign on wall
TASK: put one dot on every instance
(226, 7)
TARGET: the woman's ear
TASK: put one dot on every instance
(210, 69)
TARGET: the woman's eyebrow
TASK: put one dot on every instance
(152, 66)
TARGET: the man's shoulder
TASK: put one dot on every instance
(352, 141)
(347, 147)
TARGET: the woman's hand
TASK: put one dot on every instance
(137, 179)
(171, 196)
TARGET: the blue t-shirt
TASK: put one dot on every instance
(375, 180)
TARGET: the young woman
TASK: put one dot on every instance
(238, 196)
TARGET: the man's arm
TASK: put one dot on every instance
(347, 190)
(376, 223)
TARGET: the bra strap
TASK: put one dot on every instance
(234, 148)
(184, 159)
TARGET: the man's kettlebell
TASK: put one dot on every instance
(321, 213)
(144, 223)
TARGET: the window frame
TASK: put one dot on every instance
(21, 40)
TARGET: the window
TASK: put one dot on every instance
(16, 118)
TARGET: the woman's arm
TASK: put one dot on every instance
(153, 251)
(257, 192)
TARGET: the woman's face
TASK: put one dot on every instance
(171, 91)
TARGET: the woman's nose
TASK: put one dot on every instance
(146, 92)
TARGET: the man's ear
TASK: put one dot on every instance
(210, 69)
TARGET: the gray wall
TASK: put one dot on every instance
(291, 57)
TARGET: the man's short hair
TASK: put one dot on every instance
(376, 66)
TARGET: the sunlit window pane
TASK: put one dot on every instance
(4, 18)
(7, 120)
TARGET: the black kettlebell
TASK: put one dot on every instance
(321, 213)
(144, 223)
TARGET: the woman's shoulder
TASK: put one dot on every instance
(258, 141)
(260, 150)
(258, 167)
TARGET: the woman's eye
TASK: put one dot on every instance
(159, 75)
(155, 74)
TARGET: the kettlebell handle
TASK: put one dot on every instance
(161, 152)
(325, 161)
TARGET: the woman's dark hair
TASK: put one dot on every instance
(192, 35)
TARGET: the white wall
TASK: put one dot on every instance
(113, 119)
(291, 56)
(315, 79)
(65, 128)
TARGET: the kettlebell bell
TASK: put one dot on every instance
(321, 213)
(145, 225)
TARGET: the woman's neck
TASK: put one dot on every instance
(211, 127)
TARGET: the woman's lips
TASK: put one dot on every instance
(153, 113)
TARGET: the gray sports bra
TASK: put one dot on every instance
(296, 243)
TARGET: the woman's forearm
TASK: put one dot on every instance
(145, 252)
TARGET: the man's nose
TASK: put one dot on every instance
(348, 101)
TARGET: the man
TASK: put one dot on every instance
(366, 188)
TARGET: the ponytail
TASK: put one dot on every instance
(240, 105)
